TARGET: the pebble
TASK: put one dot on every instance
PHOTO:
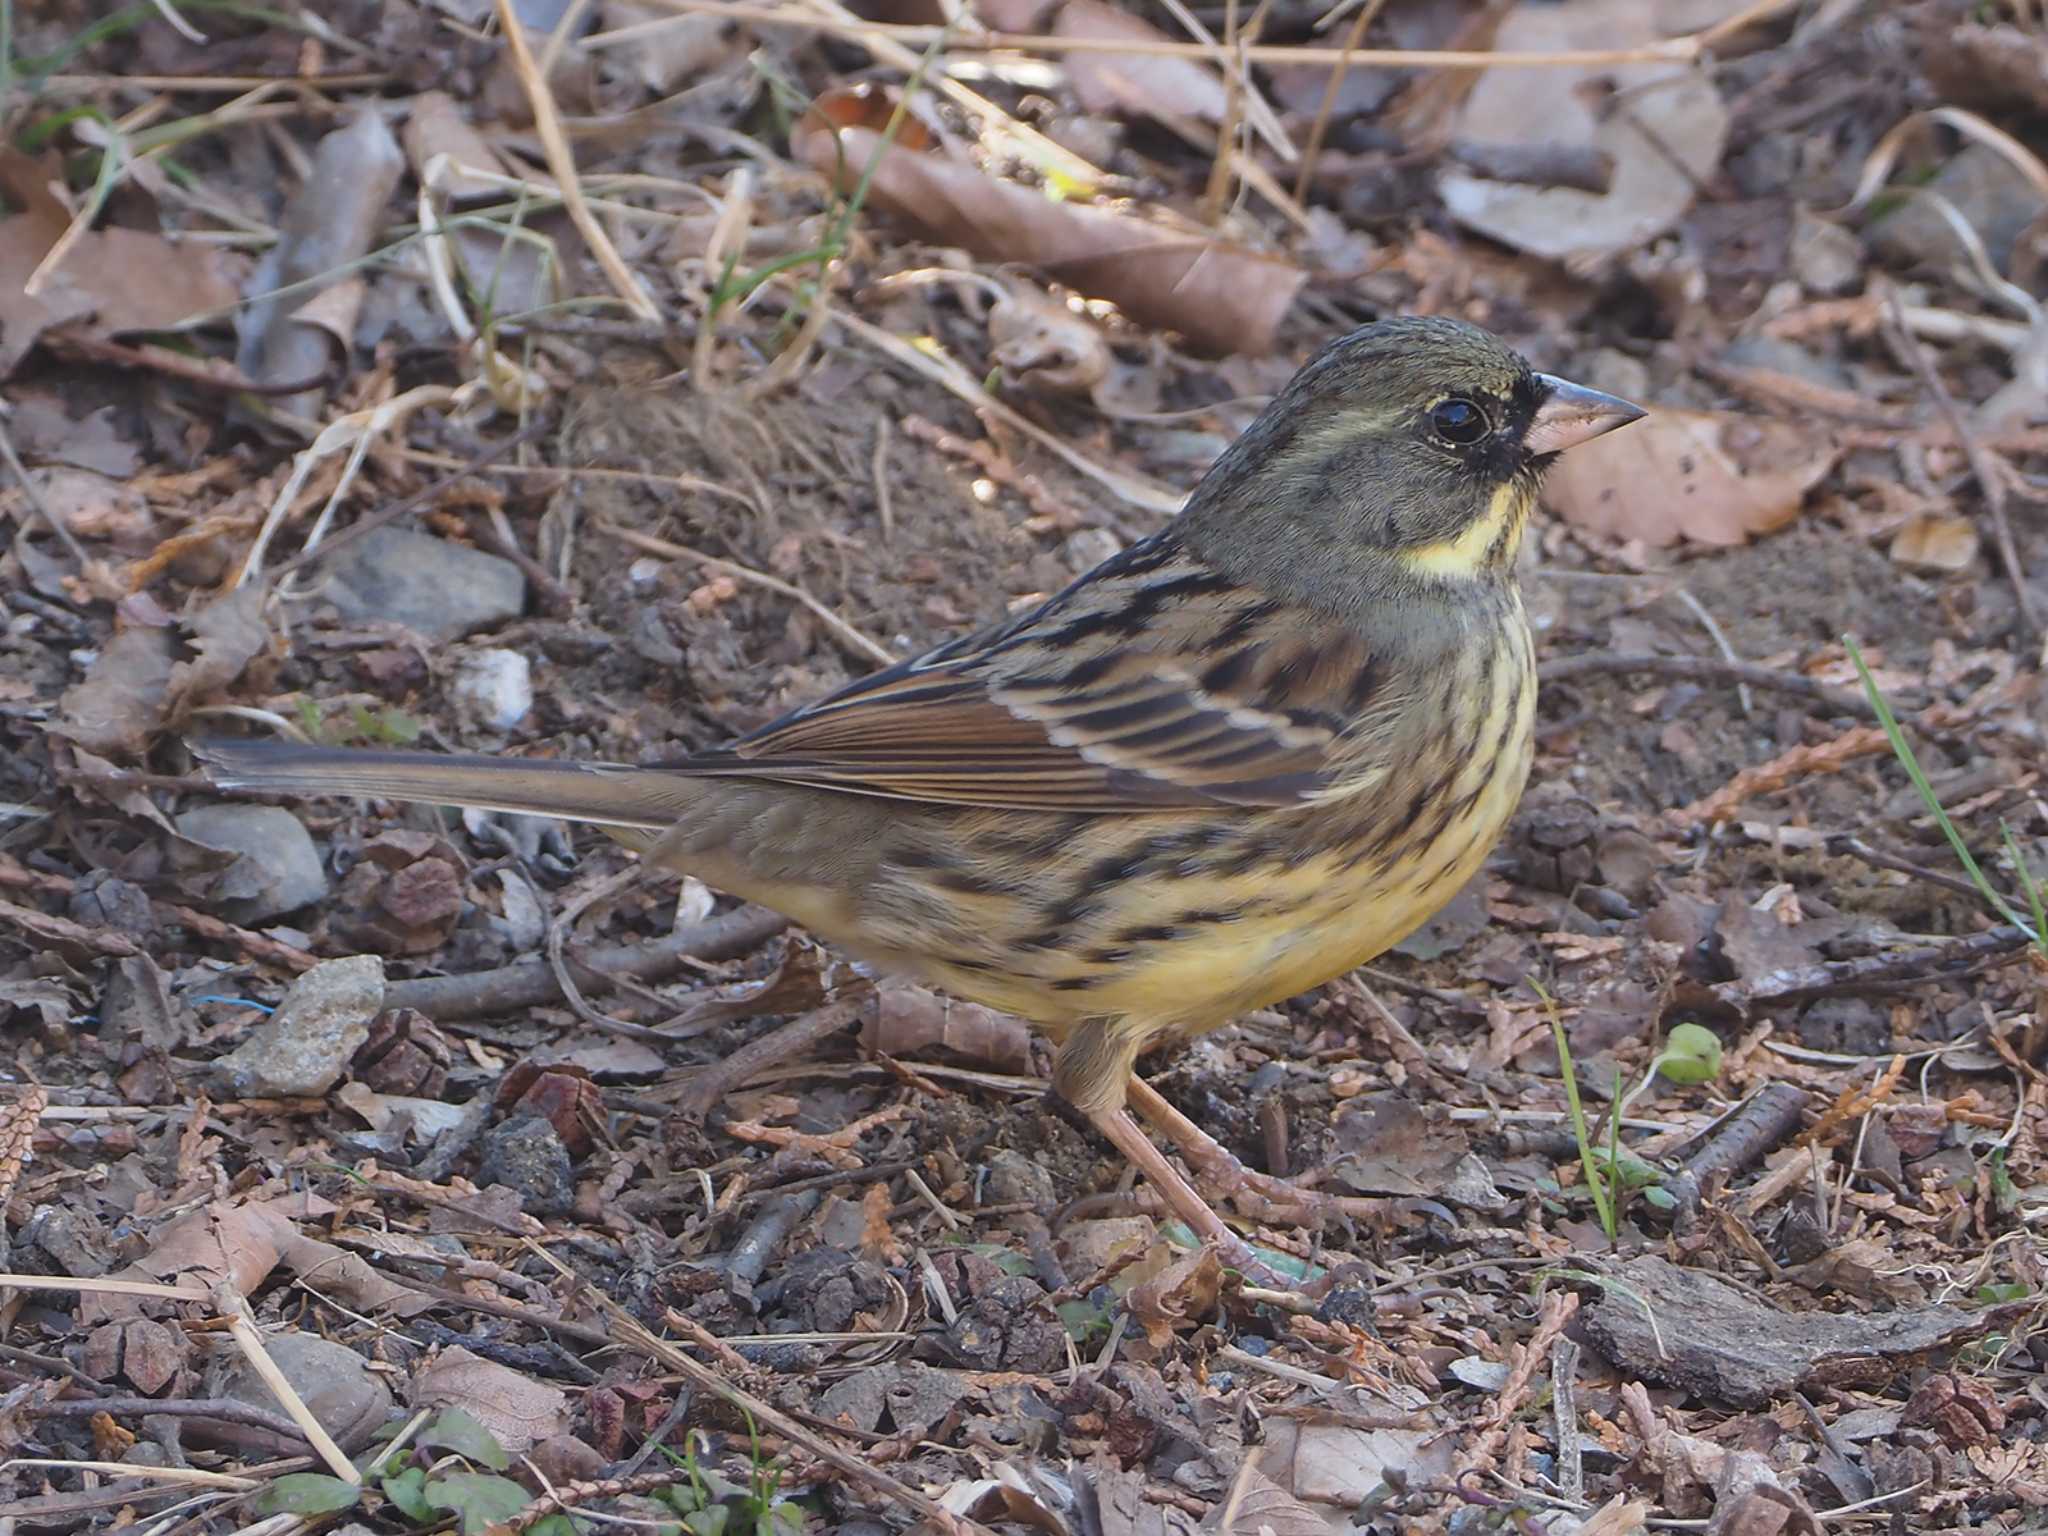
(303, 1048)
(1826, 258)
(525, 1155)
(439, 589)
(334, 1381)
(1088, 548)
(1995, 198)
(278, 870)
(494, 687)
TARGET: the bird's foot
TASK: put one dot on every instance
(1260, 1196)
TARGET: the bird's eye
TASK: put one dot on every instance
(1458, 421)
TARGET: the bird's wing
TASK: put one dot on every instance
(1151, 684)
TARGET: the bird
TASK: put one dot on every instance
(1238, 758)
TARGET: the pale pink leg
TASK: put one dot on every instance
(1258, 1195)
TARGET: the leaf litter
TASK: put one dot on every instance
(765, 1245)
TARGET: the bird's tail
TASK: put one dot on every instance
(604, 794)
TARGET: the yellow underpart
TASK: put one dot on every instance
(1466, 555)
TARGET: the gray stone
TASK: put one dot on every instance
(278, 869)
(525, 1155)
(1994, 198)
(303, 1048)
(442, 590)
(335, 1382)
(1826, 258)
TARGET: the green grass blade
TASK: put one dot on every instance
(1903, 750)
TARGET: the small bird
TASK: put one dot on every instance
(1239, 758)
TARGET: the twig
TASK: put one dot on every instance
(1749, 1132)
(48, 513)
(1714, 631)
(561, 161)
(1989, 481)
(1947, 960)
(1564, 1403)
(1682, 50)
(226, 1409)
(630, 1331)
(420, 498)
(799, 1035)
(948, 374)
(1313, 150)
(1841, 701)
(557, 942)
(844, 632)
(532, 982)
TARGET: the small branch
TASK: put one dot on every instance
(530, 983)
(1989, 481)
(778, 1045)
(1949, 959)
(1709, 669)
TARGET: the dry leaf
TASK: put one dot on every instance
(1643, 117)
(120, 705)
(113, 279)
(1265, 1507)
(436, 126)
(225, 636)
(1713, 477)
(518, 1410)
(1040, 340)
(1221, 297)
(1185, 1292)
(1134, 83)
(1936, 541)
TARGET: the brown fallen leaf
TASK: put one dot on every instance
(1264, 1506)
(1185, 1292)
(1660, 125)
(1135, 83)
(1714, 477)
(225, 637)
(1936, 541)
(109, 281)
(119, 707)
(518, 1410)
(1221, 297)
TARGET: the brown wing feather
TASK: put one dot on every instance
(1152, 683)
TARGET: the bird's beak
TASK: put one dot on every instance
(1572, 414)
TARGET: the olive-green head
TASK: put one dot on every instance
(1410, 450)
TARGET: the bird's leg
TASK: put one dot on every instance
(1091, 1072)
(1216, 1167)
(1180, 1196)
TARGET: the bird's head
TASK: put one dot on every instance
(1413, 446)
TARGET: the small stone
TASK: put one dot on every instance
(1994, 197)
(278, 870)
(303, 1048)
(1089, 547)
(1014, 1179)
(1092, 1246)
(1779, 355)
(526, 1156)
(104, 900)
(439, 589)
(1826, 258)
(335, 1382)
(494, 687)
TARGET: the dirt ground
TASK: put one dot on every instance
(742, 1237)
